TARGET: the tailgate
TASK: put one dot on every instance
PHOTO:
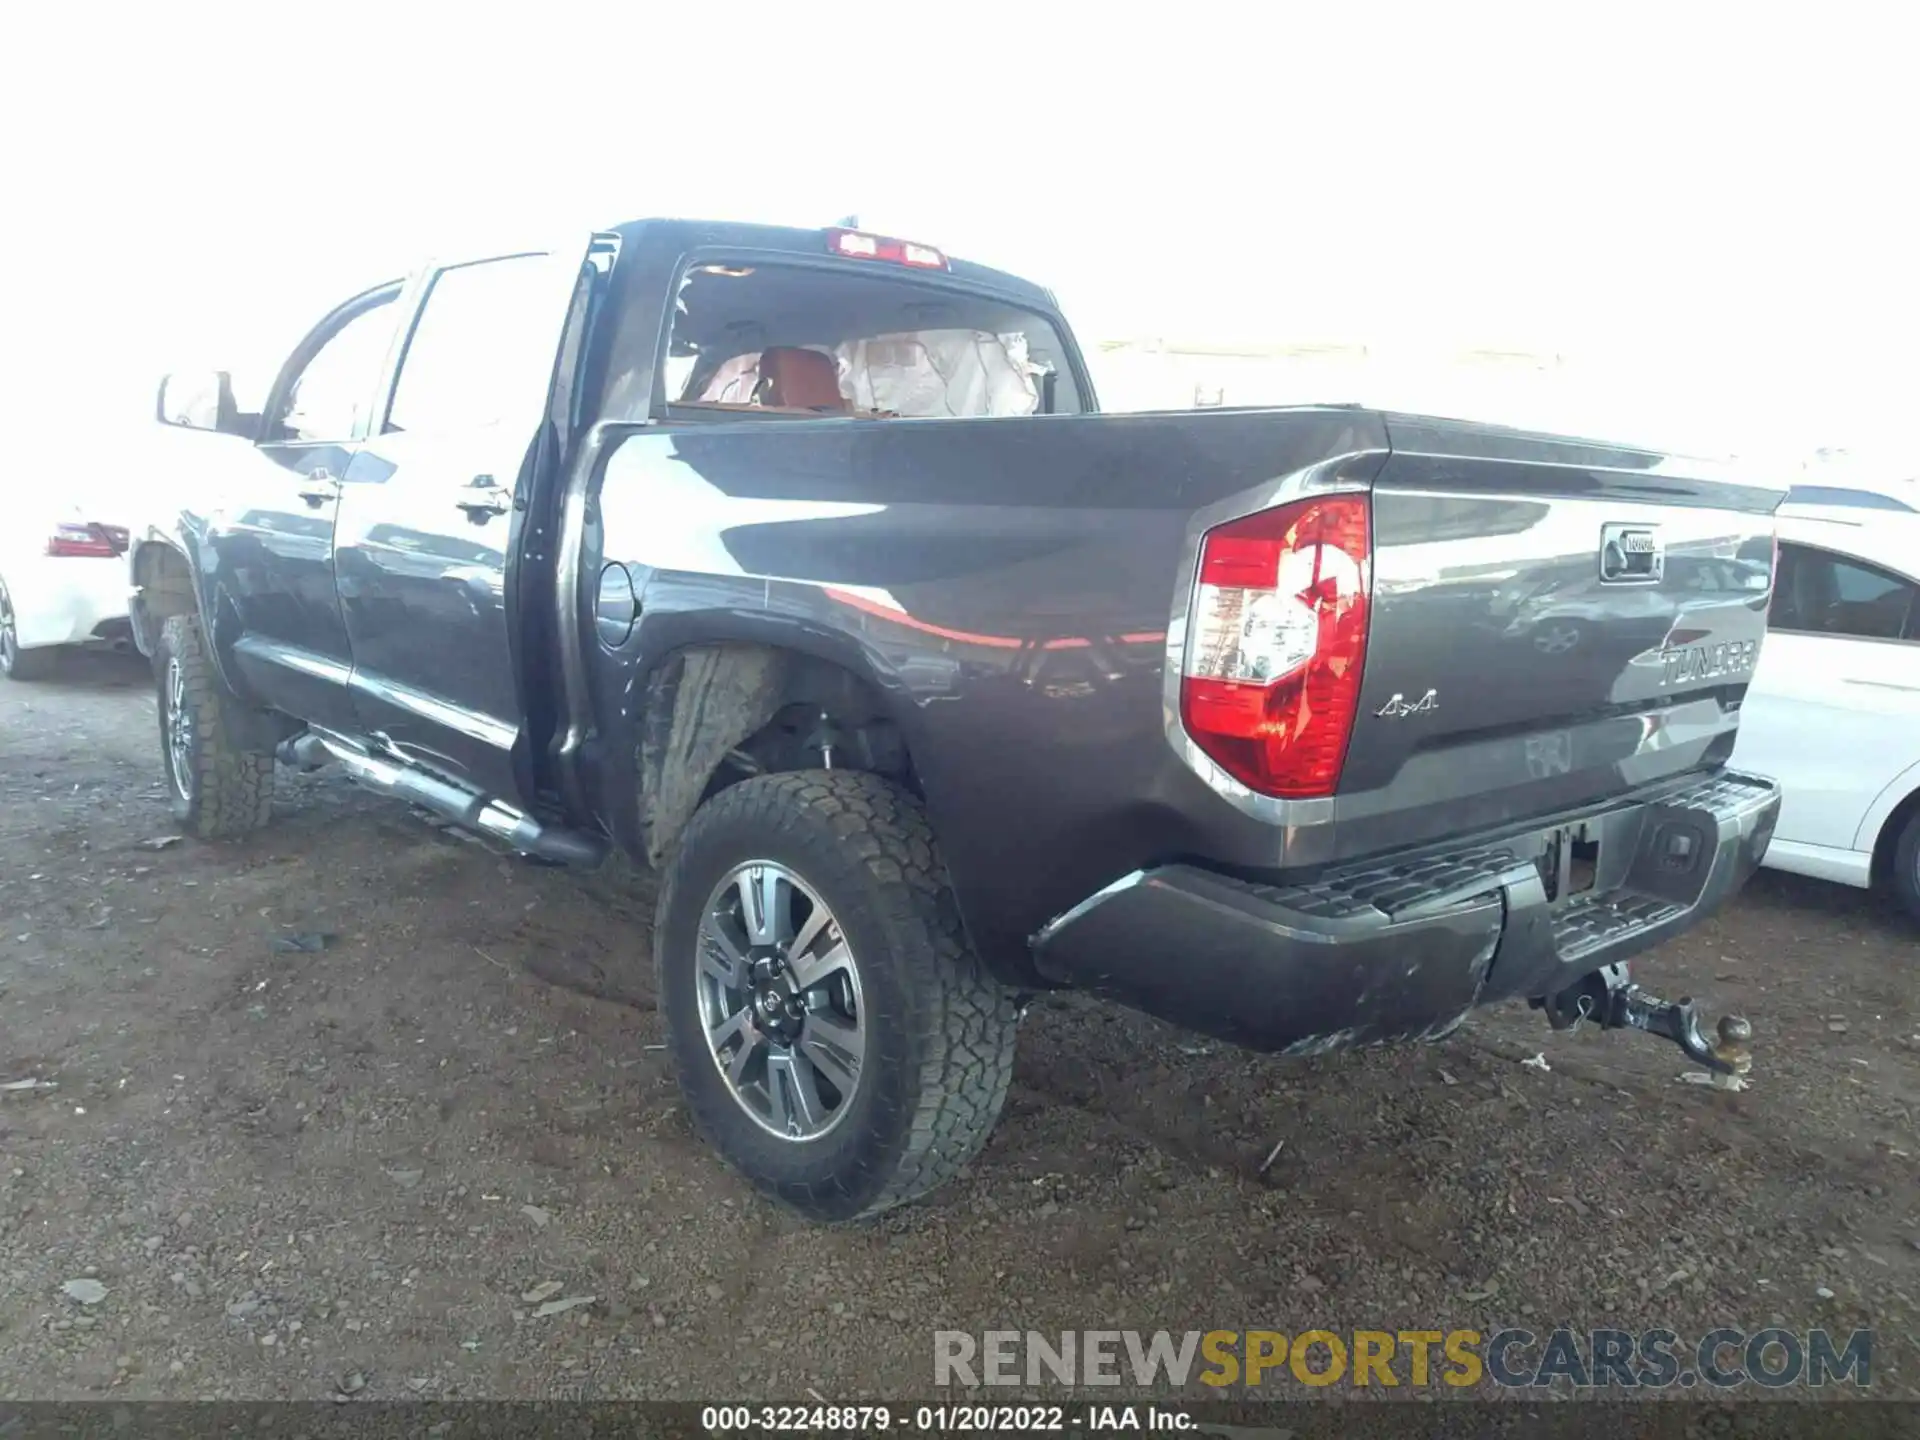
(1554, 622)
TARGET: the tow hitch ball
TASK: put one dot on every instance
(1609, 997)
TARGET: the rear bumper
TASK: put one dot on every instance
(1404, 949)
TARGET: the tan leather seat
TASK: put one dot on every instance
(800, 380)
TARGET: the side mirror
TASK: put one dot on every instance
(198, 401)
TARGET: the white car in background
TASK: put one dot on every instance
(1833, 712)
(63, 579)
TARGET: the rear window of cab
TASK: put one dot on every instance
(839, 340)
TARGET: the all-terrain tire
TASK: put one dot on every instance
(940, 1030)
(218, 787)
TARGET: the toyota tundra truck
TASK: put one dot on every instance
(800, 566)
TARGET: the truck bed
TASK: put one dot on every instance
(1014, 585)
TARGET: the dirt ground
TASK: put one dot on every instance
(303, 1173)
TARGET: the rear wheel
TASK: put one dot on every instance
(836, 1039)
(219, 787)
(15, 663)
(1906, 867)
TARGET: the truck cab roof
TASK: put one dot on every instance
(686, 235)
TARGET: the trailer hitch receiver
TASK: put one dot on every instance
(1609, 998)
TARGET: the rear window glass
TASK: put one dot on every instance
(858, 340)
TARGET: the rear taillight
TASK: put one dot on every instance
(1276, 641)
(87, 541)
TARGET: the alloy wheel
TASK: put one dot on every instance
(779, 997)
(179, 730)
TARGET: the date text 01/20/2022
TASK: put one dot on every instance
(943, 1419)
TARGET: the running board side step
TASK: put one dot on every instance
(456, 803)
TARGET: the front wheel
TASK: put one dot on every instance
(836, 1038)
(218, 788)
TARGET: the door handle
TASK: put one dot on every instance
(483, 497)
(319, 487)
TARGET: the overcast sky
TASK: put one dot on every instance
(1711, 209)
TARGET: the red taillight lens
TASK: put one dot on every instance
(1276, 641)
(86, 541)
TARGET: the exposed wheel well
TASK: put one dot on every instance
(163, 587)
(717, 714)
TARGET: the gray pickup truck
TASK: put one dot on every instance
(799, 565)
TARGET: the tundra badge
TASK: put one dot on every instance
(1689, 664)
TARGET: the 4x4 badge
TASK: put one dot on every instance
(1399, 707)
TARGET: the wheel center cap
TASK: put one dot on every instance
(777, 1009)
